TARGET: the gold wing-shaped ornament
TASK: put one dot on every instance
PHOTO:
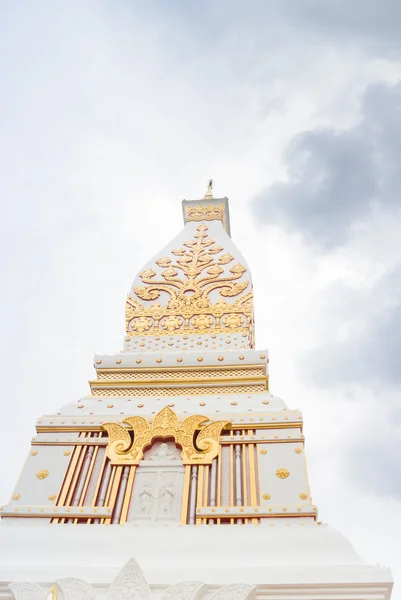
(208, 440)
(185, 435)
(119, 441)
(142, 436)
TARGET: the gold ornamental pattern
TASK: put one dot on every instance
(204, 213)
(198, 268)
(126, 446)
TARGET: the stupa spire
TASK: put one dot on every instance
(209, 190)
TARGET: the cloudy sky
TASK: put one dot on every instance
(112, 112)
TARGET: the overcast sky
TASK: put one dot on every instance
(112, 112)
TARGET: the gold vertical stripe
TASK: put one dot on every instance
(199, 498)
(108, 491)
(113, 493)
(77, 471)
(67, 480)
(76, 476)
(99, 481)
(232, 476)
(206, 490)
(252, 478)
(87, 479)
(244, 478)
(218, 498)
(110, 486)
(218, 492)
(88, 476)
(185, 495)
(257, 474)
(127, 496)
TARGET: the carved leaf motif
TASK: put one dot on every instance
(147, 274)
(187, 590)
(185, 434)
(76, 589)
(163, 262)
(233, 288)
(130, 584)
(238, 269)
(222, 305)
(27, 591)
(139, 425)
(215, 270)
(156, 309)
(147, 293)
(166, 418)
(209, 434)
(118, 433)
(184, 260)
(224, 259)
(179, 251)
(237, 591)
(169, 273)
(215, 249)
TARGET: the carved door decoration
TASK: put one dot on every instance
(158, 485)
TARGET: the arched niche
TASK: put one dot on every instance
(158, 485)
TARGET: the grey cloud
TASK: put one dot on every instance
(374, 23)
(370, 354)
(335, 177)
(374, 467)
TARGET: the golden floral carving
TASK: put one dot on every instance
(189, 281)
(16, 496)
(266, 496)
(204, 213)
(126, 446)
(202, 321)
(42, 474)
(232, 321)
(282, 473)
(142, 324)
(303, 496)
(171, 323)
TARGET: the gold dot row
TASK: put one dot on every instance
(178, 359)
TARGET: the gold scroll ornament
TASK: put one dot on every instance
(126, 446)
(189, 281)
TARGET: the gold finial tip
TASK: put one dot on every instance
(209, 192)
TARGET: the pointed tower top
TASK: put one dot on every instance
(209, 192)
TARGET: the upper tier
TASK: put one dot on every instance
(197, 290)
